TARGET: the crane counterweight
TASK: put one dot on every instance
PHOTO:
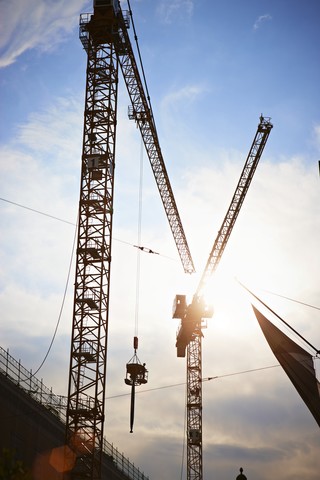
(193, 318)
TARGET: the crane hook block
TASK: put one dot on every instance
(136, 375)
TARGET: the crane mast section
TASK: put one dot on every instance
(194, 408)
(255, 153)
(87, 373)
(141, 112)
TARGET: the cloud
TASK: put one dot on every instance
(169, 10)
(44, 132)
(234, 452)
(44, 151)
(247, 418)
(41, 24)
(180, 100)
(40, 171)
(186, 93)
(260, 20)
(261, 410)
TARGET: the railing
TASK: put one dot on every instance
(24, 378)
(122, 463)
(57, 404)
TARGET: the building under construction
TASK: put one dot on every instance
(33, 428)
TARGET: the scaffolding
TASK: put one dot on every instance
(13, 370)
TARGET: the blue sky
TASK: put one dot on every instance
(212, 68)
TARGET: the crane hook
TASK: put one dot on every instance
(136, 375)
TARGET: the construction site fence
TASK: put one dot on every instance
(57, 404)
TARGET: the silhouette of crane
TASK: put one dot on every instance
(104, 35)
(193, 316)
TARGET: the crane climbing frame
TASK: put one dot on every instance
(193, 317)
(105, 39)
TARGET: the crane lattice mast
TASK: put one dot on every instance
(105, 39)
(194, 315)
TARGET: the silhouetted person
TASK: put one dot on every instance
(241, 476)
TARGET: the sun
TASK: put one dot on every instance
(222, 290)
(230, 301)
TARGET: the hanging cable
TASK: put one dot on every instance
(61, 309)
(136, 373)
(281, 319)
(143, 249)
(174, 385)
(141, 64)
(292, 300)
(139, 55)
(206, 379)
(36, 211)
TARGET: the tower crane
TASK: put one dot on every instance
(104, 35)
(193, 317)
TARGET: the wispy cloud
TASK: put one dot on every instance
(274, 246)
(280, 214)
(35, 24)
(180, 99)
(185, 93)
(173, 9)
(260, 20)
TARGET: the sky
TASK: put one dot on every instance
(212, 68)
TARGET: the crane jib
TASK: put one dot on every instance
(256, 150)
(141, 112)
(193, 316)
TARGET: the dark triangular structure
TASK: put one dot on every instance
(296, 362)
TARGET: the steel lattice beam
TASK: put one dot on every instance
(194, 408)
(193, 316)
(255, 152)
(185, 333)
(142, 114)
(106, 41)
(85, 411)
